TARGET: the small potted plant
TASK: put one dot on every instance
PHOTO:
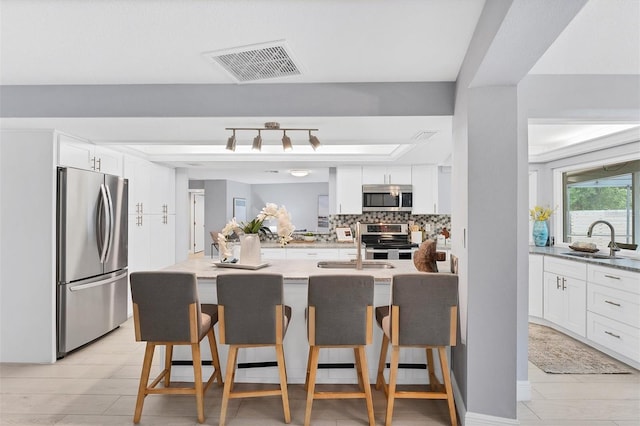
(308, 236)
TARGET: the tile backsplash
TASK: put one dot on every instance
(436, 221)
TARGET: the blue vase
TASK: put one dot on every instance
(540, 233)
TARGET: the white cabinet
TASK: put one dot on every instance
(565, 294)
(613, 307)
(79, 153)
(536, 277)
(348, 253)
(163, 191)
(400, 175)
(273, 253)
(424, 179)
(348, 190)
(138, 171)
(162, 240)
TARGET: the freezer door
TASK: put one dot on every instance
(117, 190)
(78, 248)
(88, 309)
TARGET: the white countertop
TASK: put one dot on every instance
(294, 270)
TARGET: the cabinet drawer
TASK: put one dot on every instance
(614, 335)
(567, 268)
(615, 304)
(617, 278)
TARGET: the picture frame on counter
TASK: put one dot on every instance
(344, 235)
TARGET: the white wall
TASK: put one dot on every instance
(27, 247)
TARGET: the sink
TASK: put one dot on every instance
(588, 255)
(352, 265)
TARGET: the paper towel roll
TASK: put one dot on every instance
(416, 237)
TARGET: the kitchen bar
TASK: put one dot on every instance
(334, 364)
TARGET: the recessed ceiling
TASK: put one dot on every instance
(151, 42)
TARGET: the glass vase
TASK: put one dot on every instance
(250, 250)
(540, 233)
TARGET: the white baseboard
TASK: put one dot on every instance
(474, 419)
(523, 390)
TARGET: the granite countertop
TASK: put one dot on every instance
(309, 244)
(618, 262)
(297, 270)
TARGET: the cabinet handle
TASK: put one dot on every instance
(613, 277)
(564, 287)
(99, 162)
(612, 334)
(612, 303)
(557, 283)
(93, 163)
(141, 208)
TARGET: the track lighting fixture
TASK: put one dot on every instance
(257, 141)
(231, 142)
(286, 142)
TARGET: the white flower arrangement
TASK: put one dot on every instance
(270, 211)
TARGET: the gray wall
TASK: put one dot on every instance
(300, 199)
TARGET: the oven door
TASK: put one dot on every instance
(388, 253)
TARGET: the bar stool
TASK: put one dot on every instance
(339, 315)
(252, 314)
(166, 311)
(424, 311)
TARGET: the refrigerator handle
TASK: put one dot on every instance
(111, 223)
(103, 214)
(109, 280)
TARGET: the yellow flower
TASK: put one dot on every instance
(541, 213)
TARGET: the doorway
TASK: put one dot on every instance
(197, 222)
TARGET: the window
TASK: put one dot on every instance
(607, 193)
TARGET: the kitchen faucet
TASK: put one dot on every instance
(613, 248)
(358, 246)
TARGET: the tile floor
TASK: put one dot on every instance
(97, 385)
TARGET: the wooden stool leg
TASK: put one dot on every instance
(393, 374)
(383, 361)
(228, 382)
(197, 380)
(144, 380)
(213, 346)
(314, 351)
(447, 385)
(168, 356)
(306, 380)
(364, 372)
(283, 383)
(433, 380)
(356, 355)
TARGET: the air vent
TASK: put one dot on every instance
(257, 61)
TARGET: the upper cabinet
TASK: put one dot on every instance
(400, 175)
(163, 191)
(424, 179)
(348, 190)
(79, 153)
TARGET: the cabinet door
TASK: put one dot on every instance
(554, 298)
(576, 306)
(400, 175)
(162, 191)
(74, 153)
(138, 172)
(425, 189)
(349, 253)
(273, 253)
(138, 243)
(349, 190)
(313, 254)
(108, 161)
(536, 279)
(162, 240)
(374, 175)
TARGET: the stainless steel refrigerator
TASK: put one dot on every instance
(92, 242)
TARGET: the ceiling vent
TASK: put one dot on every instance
(257, 61)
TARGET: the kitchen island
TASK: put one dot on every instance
(296, 274)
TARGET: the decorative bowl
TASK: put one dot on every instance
(309, 238)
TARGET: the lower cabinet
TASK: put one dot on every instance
(565, 294)
(313, 254)
(536, 279)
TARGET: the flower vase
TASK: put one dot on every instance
(540, 233)
(250, 250)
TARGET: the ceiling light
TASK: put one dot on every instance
(231, 142)
(313, 140)
(271, 125)
(257, 142)
(299, 173)
(286, 142)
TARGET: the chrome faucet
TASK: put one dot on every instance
(613, 248)
(358, 246)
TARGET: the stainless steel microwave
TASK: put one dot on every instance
(387, 198)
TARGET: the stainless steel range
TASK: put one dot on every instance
(387, 241)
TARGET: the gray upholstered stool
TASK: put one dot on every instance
(339, 314)
(166, 311)
(252, 314)
(424, 312)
